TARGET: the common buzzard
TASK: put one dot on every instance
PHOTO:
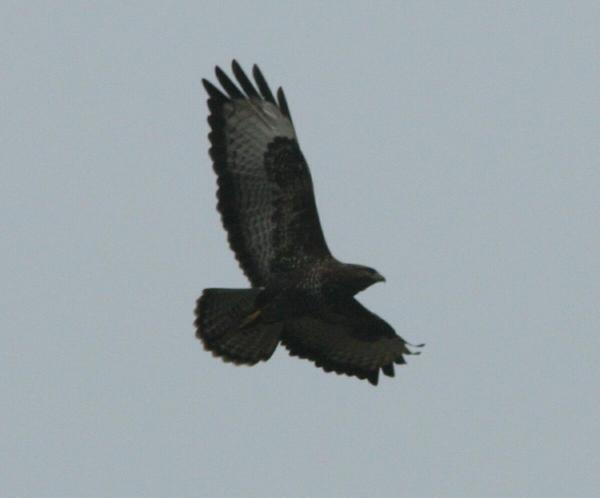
(301, 295)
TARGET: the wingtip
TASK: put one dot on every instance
(228, 85)
(283, 105)
(388, 370)
(213, 91)
(257, 73)
(219, 73)
(262, 84)
(373, 377)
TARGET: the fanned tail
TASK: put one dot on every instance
(227, 326)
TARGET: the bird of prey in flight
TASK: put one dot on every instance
(300, 294)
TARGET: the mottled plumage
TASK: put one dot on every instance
(301, 295)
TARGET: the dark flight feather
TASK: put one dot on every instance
(243, 80)
(262, 84)
(283, 105)
(229, 86)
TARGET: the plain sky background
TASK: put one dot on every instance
(454, 146)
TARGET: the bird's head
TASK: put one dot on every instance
(360, 277)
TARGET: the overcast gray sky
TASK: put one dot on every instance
(454, 146)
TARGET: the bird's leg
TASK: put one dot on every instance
(251, 318)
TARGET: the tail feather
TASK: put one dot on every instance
(220, 314)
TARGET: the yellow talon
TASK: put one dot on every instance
(250, 319)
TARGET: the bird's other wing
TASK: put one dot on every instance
(347, 339)
(265, 193)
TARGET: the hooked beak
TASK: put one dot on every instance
(379, 277)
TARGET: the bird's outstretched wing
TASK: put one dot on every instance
(347, 339)
(265, 193)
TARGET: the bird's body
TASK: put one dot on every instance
(301, 295)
